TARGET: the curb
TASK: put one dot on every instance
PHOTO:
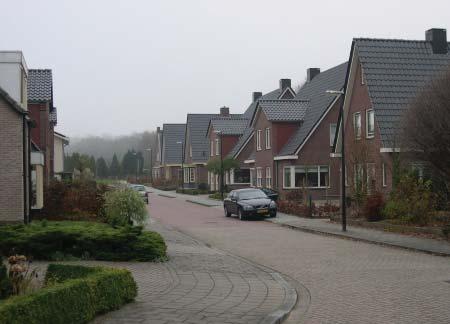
(343, 236)
(201, 203)
(167, 196)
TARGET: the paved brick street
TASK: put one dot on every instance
(347, 281)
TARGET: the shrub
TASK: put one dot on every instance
(165, 185)
(217, 195)
(73, 200)
(71, 295)
(411, 201)
(124, 206)
(373, 207)
(87, 240)
(5, 282)
(193, 192)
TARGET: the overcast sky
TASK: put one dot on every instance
(127, 66)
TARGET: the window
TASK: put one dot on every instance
(370, 177)
(268, 139)
(363, 81)
(258, 140)
(189, 175)
(287, 177)
(217, 147)
(358, 175)
(315, 176)
(240, 176)
(384, 178)
(212, 148)
(259, 177)
(268, 177)
(332, 133)
(252, 177)
(370, 123)
(357, 124)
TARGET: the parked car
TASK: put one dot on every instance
(141, 190)
(246, 203)
(272, 194)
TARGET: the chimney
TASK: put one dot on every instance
(285, 83)
(256, 96)
(158, 129)
(311, 73)
(224, 112)
(438, 39)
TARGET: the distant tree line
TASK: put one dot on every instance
(132, 163)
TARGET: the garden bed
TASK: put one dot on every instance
(68, 240)
(71, 294)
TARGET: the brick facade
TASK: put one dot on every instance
(12, 205)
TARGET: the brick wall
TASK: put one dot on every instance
(11, 165)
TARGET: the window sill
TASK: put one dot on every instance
(370, 136)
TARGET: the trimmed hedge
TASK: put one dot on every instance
(88, 240)
(68, 299)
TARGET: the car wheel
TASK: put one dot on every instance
(273, 214)
(226, 212)
(240, 214)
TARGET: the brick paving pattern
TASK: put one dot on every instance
(347, 281)
(199, 285)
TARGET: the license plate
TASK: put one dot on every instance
(263, 211)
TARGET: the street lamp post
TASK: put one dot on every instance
(221, 164)
(151, 164)
(343, 189)
(182, 165)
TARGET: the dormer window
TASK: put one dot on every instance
(370, 123)
(357, 124)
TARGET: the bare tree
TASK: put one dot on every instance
(426, 131)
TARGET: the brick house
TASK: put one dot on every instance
(304, 161)
(43, 114)
(384, 76)
(224, 132)
(172, 141)
(15, 181)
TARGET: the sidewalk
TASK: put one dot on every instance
(324, 226)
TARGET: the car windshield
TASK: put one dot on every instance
(251, 194)
(139, 188)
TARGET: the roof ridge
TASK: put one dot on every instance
(287, 100)
(33, 70)
(392, 40)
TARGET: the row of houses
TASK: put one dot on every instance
(31, 151)
(289, 139)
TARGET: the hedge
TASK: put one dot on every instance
(87, 240)
(68, 299)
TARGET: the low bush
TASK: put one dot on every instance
(165, 185)
(124, 206)
(72, 294)
(86, 240)
(5, 282)
(411, 201)
(73, 200)
(373, 207)
(193, 192)
(217, 195)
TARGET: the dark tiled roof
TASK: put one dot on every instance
(249, 112)
(319, 101)
(197, 126)
(395, 71)
(284, 109)
(40, 85)
(172, 151)
(229, 126)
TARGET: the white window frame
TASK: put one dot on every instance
(268, 139)
(292, 172)
(212, 148)
(358, 131)
(383, 177)
(268, 177)
(371, 134)
(217, 147)
(332, 133)
(192, 175)
(363, 81)
(259, 177)
(186, 175)
(252, 171)
(258, 140)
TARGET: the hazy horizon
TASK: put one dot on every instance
(128, 67)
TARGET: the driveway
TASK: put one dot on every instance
(347, 281)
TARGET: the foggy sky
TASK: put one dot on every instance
(128, 66)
